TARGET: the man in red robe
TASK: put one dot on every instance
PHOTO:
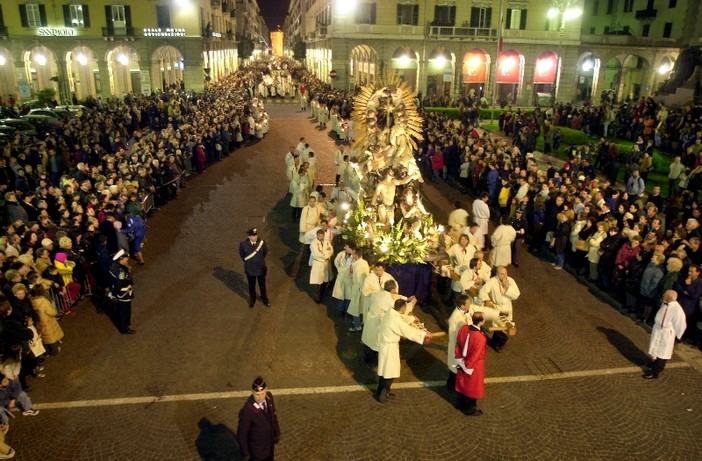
(471, 344)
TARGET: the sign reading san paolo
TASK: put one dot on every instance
(56, 32)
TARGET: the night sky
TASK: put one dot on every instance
(274, 12)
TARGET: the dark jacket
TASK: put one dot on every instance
(258, 430)
(256, 265)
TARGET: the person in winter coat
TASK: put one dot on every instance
(625, 256)
(135, 230)
(49, 328)
(593, 252)
(437, 165)
(560, 239)
(650, 283)
(608, 254)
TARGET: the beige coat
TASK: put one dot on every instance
(370, 286)
(342, 285)
(360, 270)
(380, 302)
(502, 238)
(49, 328)
(321, 262)
(309, 219)
(392, 328)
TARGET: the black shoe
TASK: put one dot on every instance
(267, 303)
(251, 304)
(475, 413)
(129, 332)
(649, 376)
(383, 397)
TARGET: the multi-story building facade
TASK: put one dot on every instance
(113, 47)
(251, 25)
(519, 51)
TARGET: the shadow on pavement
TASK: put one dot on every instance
(216, 442)
(233, 280)
(424, 365)
(625, 347)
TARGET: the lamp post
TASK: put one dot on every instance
(565, 10)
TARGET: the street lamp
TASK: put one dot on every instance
(566, 10)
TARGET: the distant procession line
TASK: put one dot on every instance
(337, 389)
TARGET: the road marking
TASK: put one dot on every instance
(336, 389)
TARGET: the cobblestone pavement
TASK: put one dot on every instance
(567, 387)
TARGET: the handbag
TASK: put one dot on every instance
(581, 245)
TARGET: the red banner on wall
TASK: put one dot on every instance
(546, 68)
(474, 67)
(509, 67)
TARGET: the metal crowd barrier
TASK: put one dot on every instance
(148, 203)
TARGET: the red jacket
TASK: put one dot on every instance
(472, 385)
(437, 160)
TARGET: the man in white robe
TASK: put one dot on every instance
(393, 327)
(309, 218)
(374, 282)
(359, 270)
(499, 292)
(458, 218)
(461, 253)
(290, 158)
(321, 272)
(460, 316)
(670, 323)
(481, 213)
(501, 239)
(342, 285)
(380, 302)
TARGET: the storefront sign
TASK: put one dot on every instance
(56, 32)
(164, 32)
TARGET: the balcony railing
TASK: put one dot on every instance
(627, 40)
(118, 31)
(461, 32)
(646, 14)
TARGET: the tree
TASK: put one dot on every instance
(245, 47)
(46, 96)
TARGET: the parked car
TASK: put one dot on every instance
(60, 114)
(76, 109)
(41, 119)
(23, 126)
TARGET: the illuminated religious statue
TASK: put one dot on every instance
(390, 219)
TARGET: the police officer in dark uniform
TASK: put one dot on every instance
(253, 252)
(520, 225)
(122, 292)
(258, 431)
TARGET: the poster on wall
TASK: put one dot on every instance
(25, 91)
(145, 83)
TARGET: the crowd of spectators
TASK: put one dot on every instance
(78, 194)
(628, 239)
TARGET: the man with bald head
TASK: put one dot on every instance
(670, 323)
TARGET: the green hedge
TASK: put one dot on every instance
(485, 114)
